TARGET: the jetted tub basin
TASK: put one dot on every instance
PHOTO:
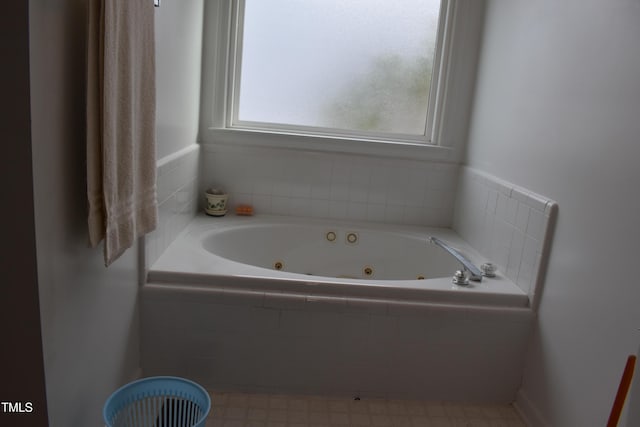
(327, 258)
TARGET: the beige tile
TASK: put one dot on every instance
(459, 422)
(420, 421)
(358, 407)
(378, 407)
(265, 410)
(338, 405)
(216, 412)
(478, 422)
(454, 410)
(297, 417)
(258, 401)
(298, 405)
(214, 422)
(318, 405)
(218, 399)
(396, 407)
(318, 418)
(509, 412)
(435, 409)
(473, 411)
(237, 399)
(277, 415)
(415, 408)
(235, 412)
(492, 412)
(339, 418)
(277, 402)
(401, 421)
(440, 422)
(257, 414)
(380, 420)
(359, 419)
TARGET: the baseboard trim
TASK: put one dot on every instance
(528, 411)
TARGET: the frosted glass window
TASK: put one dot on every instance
(354, 66)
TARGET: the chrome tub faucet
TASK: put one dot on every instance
(469, 270)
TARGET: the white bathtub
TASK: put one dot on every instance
(215, 310)
(315, 257)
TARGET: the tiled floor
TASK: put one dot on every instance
(264, 410)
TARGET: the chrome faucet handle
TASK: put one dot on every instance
(489, 269)
(469, 270)
(460, 278)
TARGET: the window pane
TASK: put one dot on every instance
(361, 65)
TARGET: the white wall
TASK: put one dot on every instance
(178, 57)
(88, 313)
(556, 111)
(21, 340)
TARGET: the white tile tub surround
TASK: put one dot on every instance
(257, 334)
(177, 192)
(274, 342)
(332, 185)
(508, 224)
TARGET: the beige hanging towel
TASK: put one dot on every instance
(121, 159)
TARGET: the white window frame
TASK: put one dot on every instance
(450, 96)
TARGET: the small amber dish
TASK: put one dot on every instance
(244, 210)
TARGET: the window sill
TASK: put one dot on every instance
(331, 144)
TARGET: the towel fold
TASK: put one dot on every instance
(121, 159)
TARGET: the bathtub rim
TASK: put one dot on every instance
(283, 300)
(499, 291)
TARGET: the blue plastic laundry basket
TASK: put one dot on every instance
(158, 402)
